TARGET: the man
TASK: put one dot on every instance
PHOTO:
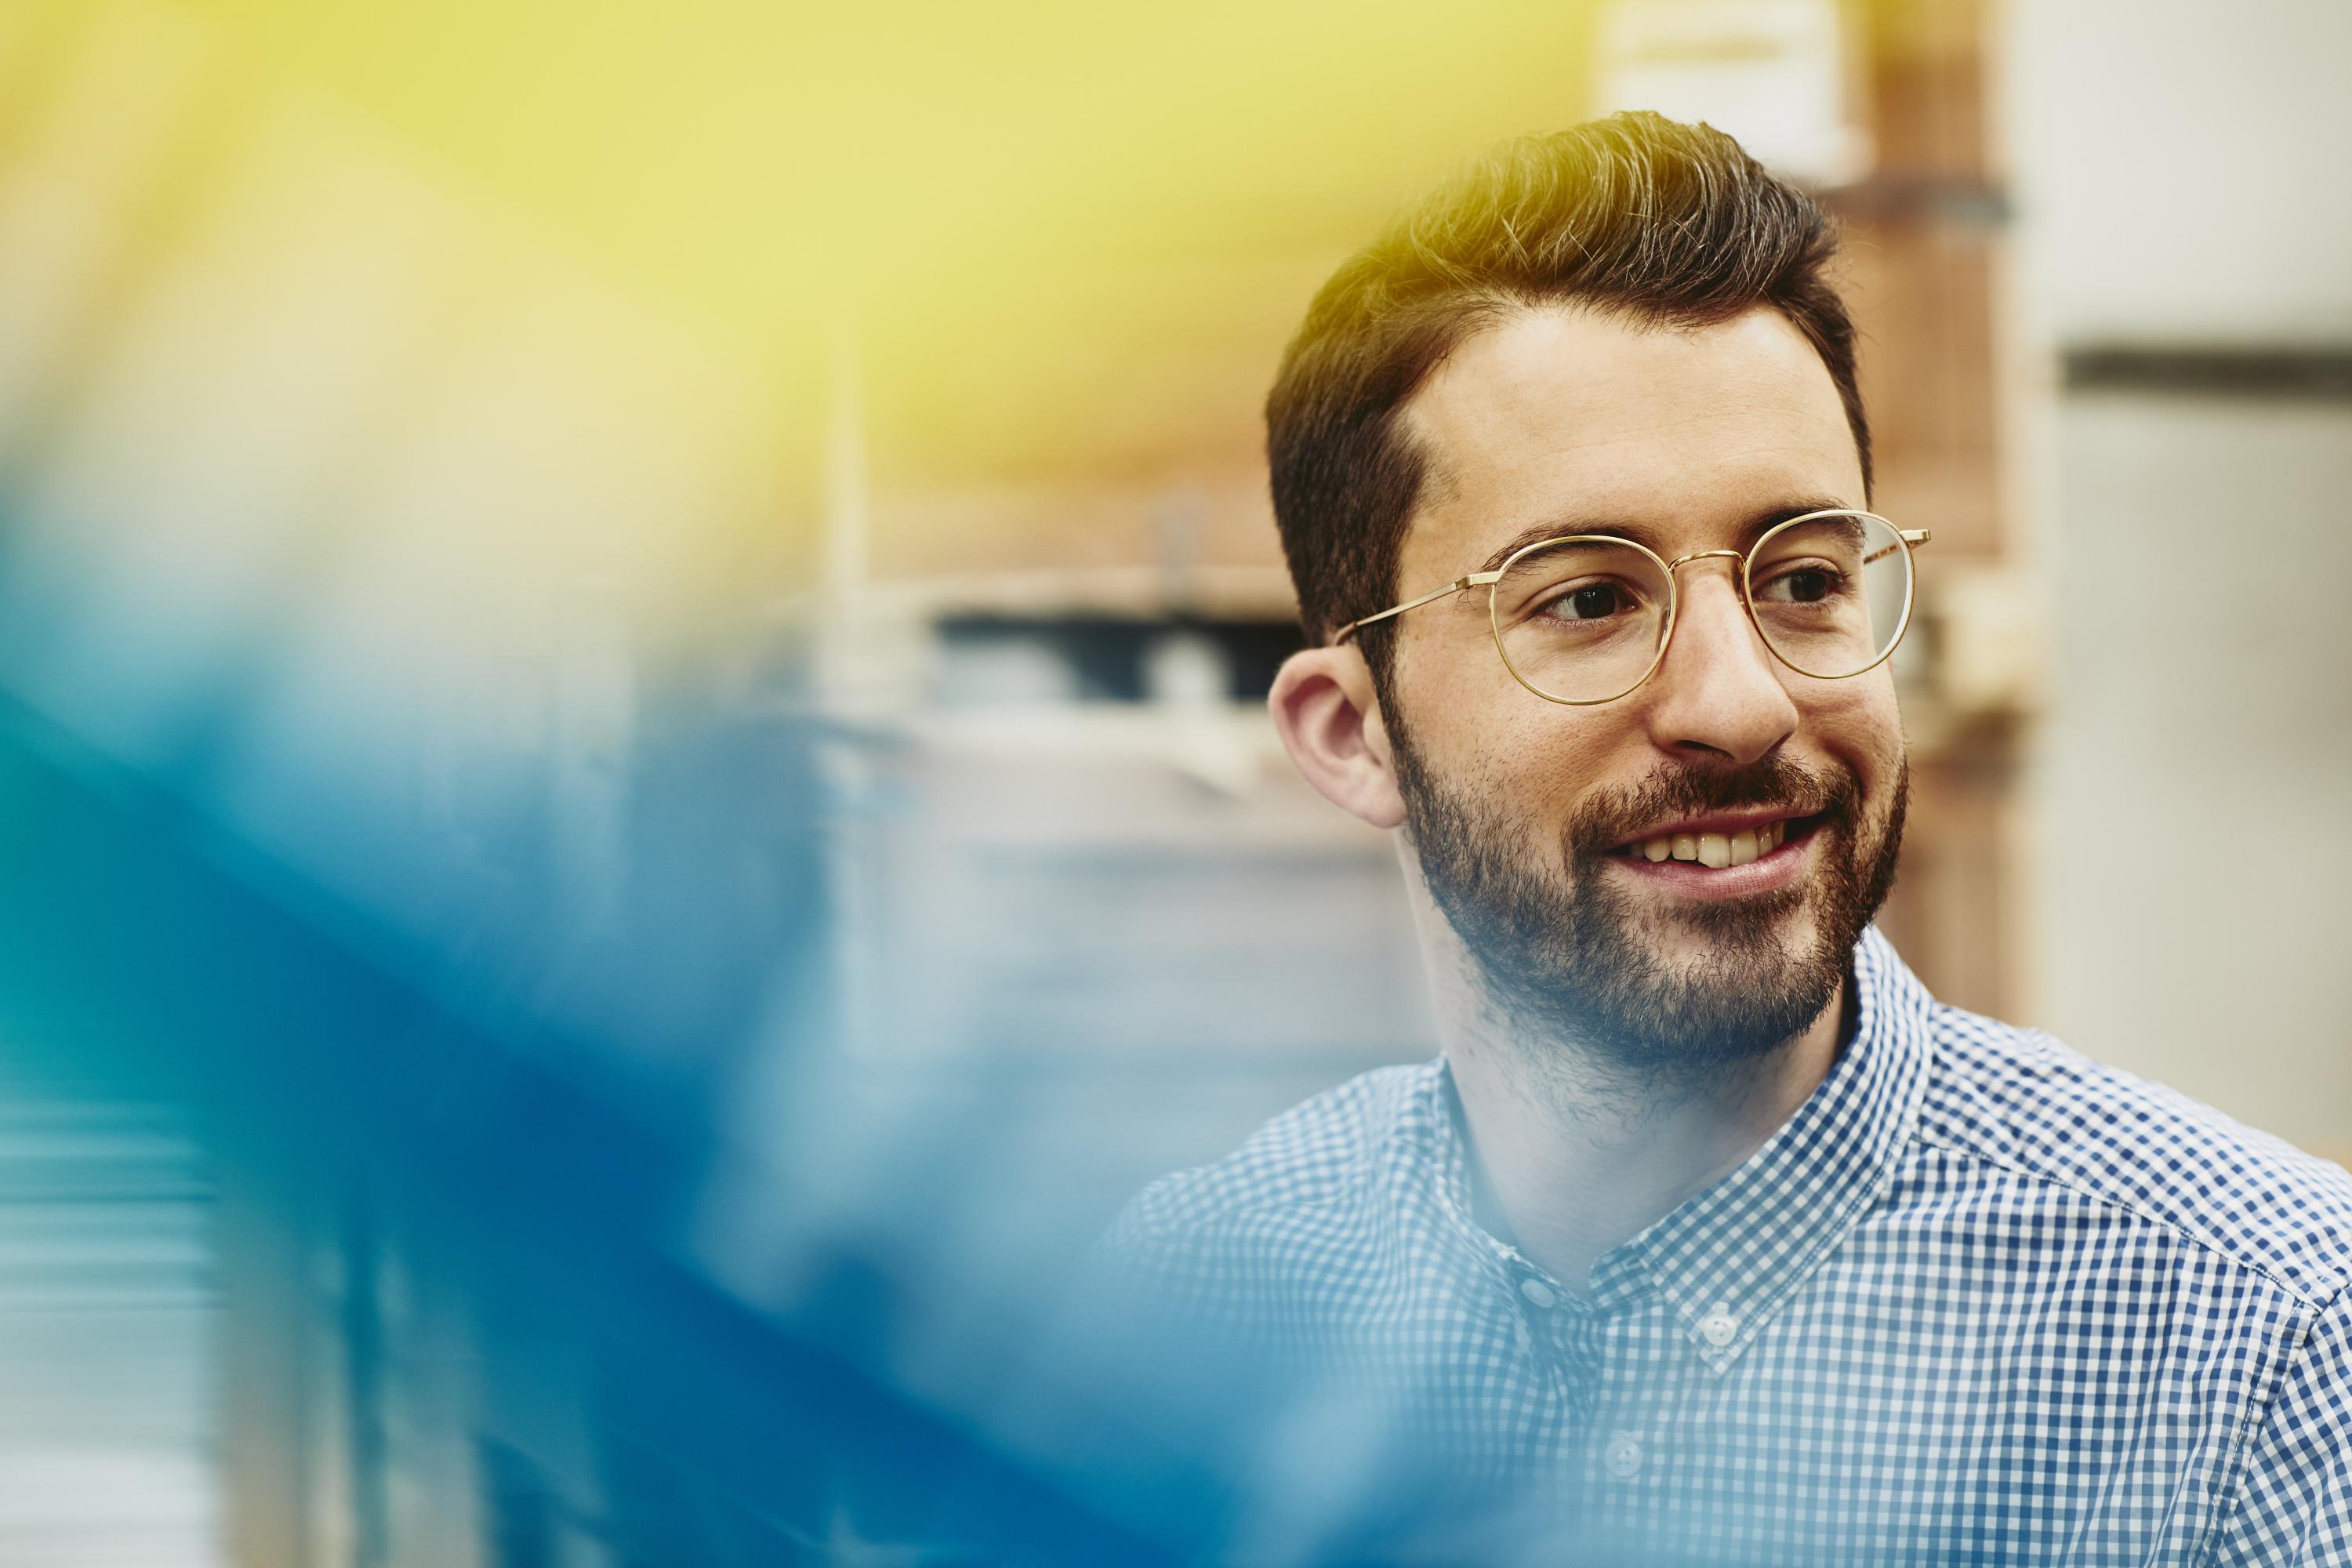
(1711, 1235)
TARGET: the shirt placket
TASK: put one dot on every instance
(1629, 1343)
(1605, 1357)
(1547, 1362)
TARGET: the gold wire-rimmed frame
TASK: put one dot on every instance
(1908, 539)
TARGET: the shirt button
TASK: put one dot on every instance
(1623, 1455)
(1538, 1292)
(1718, 1328)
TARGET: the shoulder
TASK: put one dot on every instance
(1311, 1168)
(2020, 1099)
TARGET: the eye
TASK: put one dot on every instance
(1808, 584)
(1590, 601)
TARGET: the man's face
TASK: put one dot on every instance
(1528, 815)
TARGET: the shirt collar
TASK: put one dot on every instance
(1729, 1258)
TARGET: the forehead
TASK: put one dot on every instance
(1561, 417)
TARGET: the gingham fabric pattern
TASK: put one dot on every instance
(1980, 1300)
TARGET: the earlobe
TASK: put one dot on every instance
(1326, 710)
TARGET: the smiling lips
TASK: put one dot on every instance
(1715, 850)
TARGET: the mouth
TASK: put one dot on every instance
(1721, 843)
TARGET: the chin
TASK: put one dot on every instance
(1706, 940)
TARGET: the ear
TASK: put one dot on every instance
(1330, 723)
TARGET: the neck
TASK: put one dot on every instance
(1571, 1157)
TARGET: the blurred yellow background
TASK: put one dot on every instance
(719, 553)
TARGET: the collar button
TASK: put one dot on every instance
(1537, 1291)
(1718, 1328)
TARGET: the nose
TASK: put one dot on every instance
(1717, 695)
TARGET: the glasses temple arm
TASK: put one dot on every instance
(1913, 537)
(1473, 579)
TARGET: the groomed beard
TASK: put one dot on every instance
(1571, 962)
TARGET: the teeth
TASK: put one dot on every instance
(1716, 849)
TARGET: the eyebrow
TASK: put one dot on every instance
(1750, 530)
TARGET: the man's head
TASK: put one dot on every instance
(1626, 327)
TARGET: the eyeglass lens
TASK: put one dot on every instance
(1582, 620)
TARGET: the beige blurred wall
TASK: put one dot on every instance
(2193, 793)
(2184, 165)
(2181, 175)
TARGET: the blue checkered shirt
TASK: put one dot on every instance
(1980, 1299)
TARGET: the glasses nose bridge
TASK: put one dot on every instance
(1679, 562)
(1738, 586)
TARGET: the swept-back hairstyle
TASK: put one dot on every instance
(1634, 215)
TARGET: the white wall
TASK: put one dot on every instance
(2182, 175)
(2185, 169)
(2195, 811)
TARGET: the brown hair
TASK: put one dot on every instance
(1635, 214)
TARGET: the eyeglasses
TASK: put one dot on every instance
(1585, 618)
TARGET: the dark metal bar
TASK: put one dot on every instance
(2314, 373)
